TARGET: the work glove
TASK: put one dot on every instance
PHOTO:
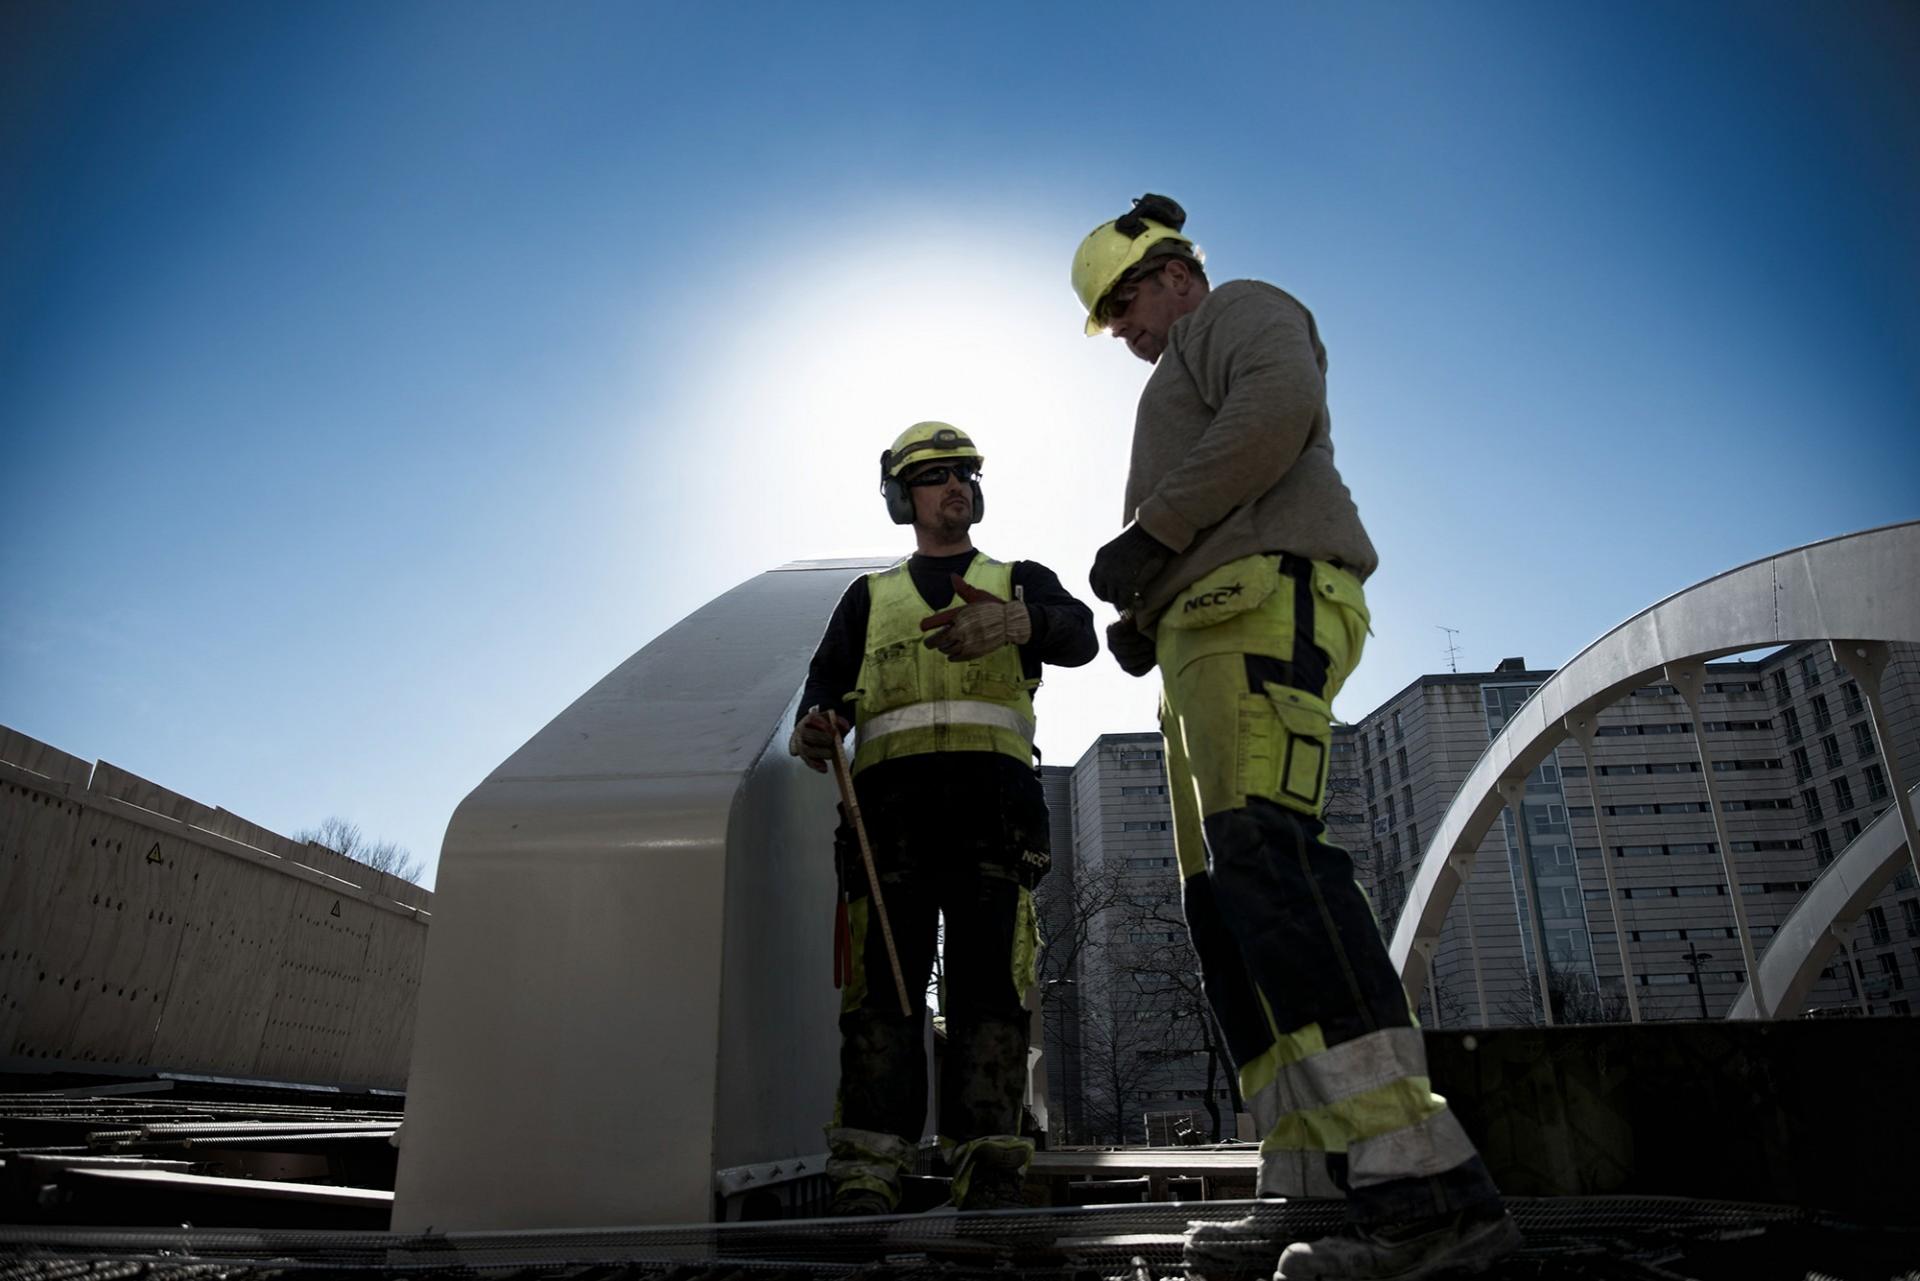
(1124, 568)
(977, 628)
(1130, 647)
(816, 738)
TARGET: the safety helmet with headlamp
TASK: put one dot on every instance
(924, 443)
(1113, 249)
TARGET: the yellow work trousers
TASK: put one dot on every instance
(1330, 1060)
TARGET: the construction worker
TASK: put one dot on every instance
(933, 664)
(1239, 575)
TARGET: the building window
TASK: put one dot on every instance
(1849, 828)
(1822, 847)
(1802, 767)
(1791, 719)
(1822, 718)
(1144, 825)
(1781, 691)
(1810, 802)
(1401, 756)
(1809, 671)
(1143, 864)
(1830, 749)
(1156, 789)
(1574, 771)
(1876, 784)
(1842, 794)
(1850, 699)
(1739, 766)
(1863, 741)
(1413, 837)
(1910, 915)
(1399, 735)
(1890, 967)
(1140, 758)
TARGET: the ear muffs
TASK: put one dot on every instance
(899, 501)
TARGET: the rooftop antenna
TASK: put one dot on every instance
(1453, 650)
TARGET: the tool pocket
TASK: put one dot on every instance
(1237, 587)
(1284, 748)
(1341, 621)
(980, 681)
(894, 675)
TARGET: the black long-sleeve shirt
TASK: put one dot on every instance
(1063, 632)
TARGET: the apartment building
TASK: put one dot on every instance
(1797, 770)
(1798, 773)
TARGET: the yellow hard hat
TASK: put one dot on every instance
(924, 442)
(1114, 248)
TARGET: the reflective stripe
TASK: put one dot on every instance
(963, 711)
(1434, 1146)
(1338, 1072)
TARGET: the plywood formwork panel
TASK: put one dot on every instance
(36, 757)
(110, 782)
(323, 951)
(37, 828)
(216, 1007)
(381, 1030)
(114, 920)
(138, 926)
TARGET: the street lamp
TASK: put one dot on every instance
(1694, 956)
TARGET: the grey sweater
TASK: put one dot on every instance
(1232, 446)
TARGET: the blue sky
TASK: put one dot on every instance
(375, 377)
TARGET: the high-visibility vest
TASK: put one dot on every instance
(912, 699)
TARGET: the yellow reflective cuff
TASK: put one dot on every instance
(1287, 1049)
(1398, 1105)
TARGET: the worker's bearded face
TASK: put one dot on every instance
(946, 509)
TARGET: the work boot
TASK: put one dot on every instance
(1450, 1245)
(1237, 1248)
(855, 1202)
(995, 1187)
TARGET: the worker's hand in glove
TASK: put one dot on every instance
(817, 737)
(980, 626)
(1126, 566)
(1130, 647)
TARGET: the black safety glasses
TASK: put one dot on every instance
(940, 475)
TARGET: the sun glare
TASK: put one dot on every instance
(845, 351)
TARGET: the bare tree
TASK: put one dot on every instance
(1122, 984)
(344, 837)
(1575, 1000)
(1166, 972)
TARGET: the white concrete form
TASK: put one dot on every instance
(1854, 591)
(628, 988)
